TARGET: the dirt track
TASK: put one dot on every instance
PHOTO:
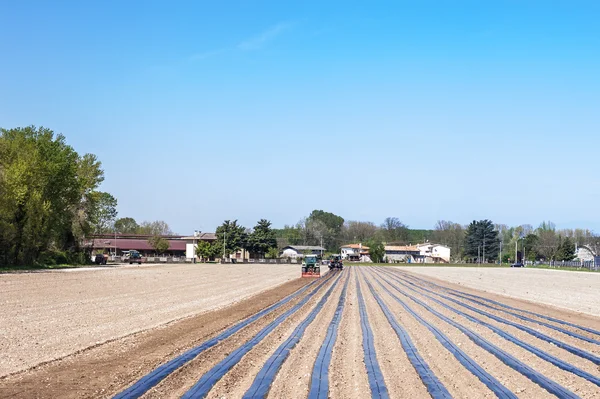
(49, 315)
(413, 321)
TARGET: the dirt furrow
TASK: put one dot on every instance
(348, 375)
(184, 378)
(587, 346)
(294, 378)
(549, 348)
(106, 369)
(401, 379)
(455, 377)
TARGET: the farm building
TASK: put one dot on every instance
(298, 251)
(434, 253)
(355, 252)
(179, 246)
(402, 253)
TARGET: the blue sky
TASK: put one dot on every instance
(424, 110)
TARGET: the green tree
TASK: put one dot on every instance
(232, 235)
(39, 192)
(481, 239)
(272, 253)
(156, 228)
(126, 225)
(531, 243)
(565, 250)
(104, 211)
(325, 226)
(261, 239)
(393, 230)
(208, 250)
(376, 250)
(159, 244)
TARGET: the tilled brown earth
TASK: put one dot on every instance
(425, 344)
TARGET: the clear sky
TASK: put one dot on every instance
(209, 110)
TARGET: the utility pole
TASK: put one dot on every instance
(484, 250)
(478, 256)
(500, 253)
(224, 237)
(516, 250)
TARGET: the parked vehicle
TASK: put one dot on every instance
(101, 259)
(517, 264)
(135, 257)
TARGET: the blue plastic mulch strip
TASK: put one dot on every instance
(263, 380)
(541, 380)
(569, 348)
(319, 386)
(209, 379)
(538, 352)
(374, 374)
(563, 322)
(152, 379)
(486, 378)
(436, 389)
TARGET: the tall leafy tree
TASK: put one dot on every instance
(126, 225)
(376, 250)
(104, 211)
(159, 244)
(565, 250)
(393, 230)
(327, 227)
(261, 239)
(232, 235)
(209, 250)
(156, 228)
(481, 239)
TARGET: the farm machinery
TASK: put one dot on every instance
(310, 266)
(335, 262)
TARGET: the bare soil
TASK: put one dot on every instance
(109, 368)
(49, 315)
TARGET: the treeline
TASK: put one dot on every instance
(259, 241)
(481, 240)
(49, 198)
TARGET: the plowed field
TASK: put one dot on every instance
(362, 332)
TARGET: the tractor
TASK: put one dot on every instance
(335, 262)
(310, 266)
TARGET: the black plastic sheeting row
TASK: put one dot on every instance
(152, 379)
(569, 348)
(436, 389)
(209, 379)
(559, 321)
(486, 378)
(541, 380)
(374, 374)
(262, 382)
(539, 353)
(563, 322)
(319, 383)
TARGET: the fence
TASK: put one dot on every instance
(573, 264)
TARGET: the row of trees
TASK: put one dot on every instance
(479, 241)
(231, 237)
(49, 198)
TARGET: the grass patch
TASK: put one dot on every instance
(19, 269)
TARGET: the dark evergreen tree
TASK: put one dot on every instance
(565, 250)
(482, 239)
(231, 235)
(262, 238)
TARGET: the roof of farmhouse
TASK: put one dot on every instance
(401, 248)
(306, 247)
(355, 246)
